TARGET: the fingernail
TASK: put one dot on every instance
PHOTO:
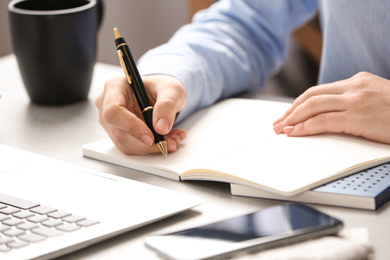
(183, 136)
(172, 147)
(288, 130)
(277, 127)
(147, 140)
(276, 122)
(163, 125)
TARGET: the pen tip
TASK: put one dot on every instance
(163, 148)
(116, 33)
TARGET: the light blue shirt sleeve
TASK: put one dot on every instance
(234, 46)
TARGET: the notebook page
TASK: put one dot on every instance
(289, 165)
(212, 133)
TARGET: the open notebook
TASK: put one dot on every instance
(233, 141)
(49, 208)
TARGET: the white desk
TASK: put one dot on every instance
(60, 132)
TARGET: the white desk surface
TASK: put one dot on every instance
(60, 132)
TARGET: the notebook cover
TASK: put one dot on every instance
(368, 189)
(373, 183)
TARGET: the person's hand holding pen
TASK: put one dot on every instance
(120, 114)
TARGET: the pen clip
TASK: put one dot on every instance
(122, 62)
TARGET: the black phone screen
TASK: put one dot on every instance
(259, 228)
(267, 222)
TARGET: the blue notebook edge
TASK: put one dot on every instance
(382, 198)
(367, 189)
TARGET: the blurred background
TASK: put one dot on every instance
(145, 24)
(148, 23)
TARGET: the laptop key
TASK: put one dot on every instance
(17, 244)
(51, 222)
(14, 232)
(13, 221)
(42, 210)
(4, 216)
(87, 223)
(16, 202)
(37, 218)
(59, 214)
(9, 210)
(47, 232)
(73, 218)
(6, 240)
(31, 238)
(68, 227)
(4, 248)
(23, 214)
(4, 227)
(27, 226)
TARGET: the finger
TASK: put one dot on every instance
(174, 139)
(179, 133)
(119, 118)
(128, 144)
(335, 122)
(116, 91)
(116, 114)
(99, 101)
(117, 132)
(313, 106)
(335, 88)
(168, 104)
(170, 99)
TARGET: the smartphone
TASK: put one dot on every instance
(270, 227)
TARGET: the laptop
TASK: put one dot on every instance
(49, 208)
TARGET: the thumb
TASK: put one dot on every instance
(170, 99)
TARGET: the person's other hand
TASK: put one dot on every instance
(358, 106)
(121, 118)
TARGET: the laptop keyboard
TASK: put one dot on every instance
(24, 222)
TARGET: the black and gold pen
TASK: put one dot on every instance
(133, 77)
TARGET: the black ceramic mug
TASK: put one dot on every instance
(55, 44)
